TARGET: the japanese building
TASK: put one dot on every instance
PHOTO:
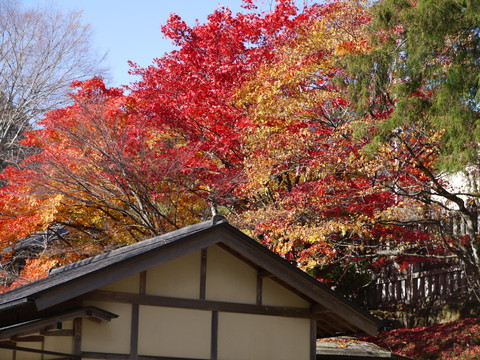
(206, 291)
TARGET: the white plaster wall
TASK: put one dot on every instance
(274, 294)
(174, 332)
(229, 279)
(108, 336)
(260, 337)
(62, 344)
(130, 285)
(6, 354)
(22, 355)
(176, 278)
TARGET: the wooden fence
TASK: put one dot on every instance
(417, 286)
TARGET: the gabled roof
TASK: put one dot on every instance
(76, 279)
(62, 276)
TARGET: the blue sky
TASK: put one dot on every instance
(130, 30)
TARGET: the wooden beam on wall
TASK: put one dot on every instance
(143, 283)
(63, 332)
(203, 274)
(259, 288)
(153, 300)
(31, 338)
(135, 318)
(77, 336)
(214, 336)
(134, 332)
(313, 339)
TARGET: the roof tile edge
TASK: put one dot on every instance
(219, 219)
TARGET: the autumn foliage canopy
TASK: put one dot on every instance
(258, 116)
